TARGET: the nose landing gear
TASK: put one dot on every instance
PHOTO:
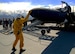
(43, 31)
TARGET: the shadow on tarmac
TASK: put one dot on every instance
(63, 44)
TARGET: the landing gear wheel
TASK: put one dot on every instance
(48, 30)
(43, 32)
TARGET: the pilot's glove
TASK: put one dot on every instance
(30, 11)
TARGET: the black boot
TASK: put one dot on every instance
(22, 50)
(13, 49)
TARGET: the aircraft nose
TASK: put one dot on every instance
(33, 13)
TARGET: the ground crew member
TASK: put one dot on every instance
(10, 23)
(17, 29)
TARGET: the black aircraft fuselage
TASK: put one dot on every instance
(49, 15)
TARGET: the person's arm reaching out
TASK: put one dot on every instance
(26, 18)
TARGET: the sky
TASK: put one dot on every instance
(41, 2)
(11, 5)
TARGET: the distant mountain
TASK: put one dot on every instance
(14, 14)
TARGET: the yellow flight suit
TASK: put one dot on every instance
(17, 27)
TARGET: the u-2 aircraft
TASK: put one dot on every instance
(44, 15)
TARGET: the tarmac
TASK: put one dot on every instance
(56, 42)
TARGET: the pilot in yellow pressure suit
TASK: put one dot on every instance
(17, 29)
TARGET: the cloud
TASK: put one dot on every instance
(12, 6)
(17, 6)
